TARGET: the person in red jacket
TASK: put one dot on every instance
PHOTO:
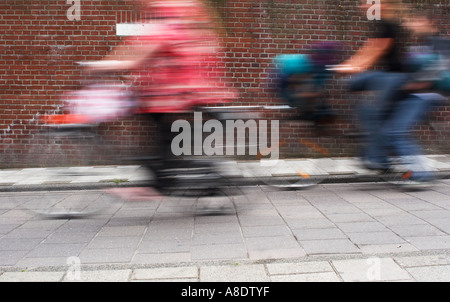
(175, 62)
(176, 59)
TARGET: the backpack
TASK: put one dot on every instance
(431, 62)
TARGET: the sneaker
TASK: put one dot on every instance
(370, 165)
(415, 185)
(422, 176)
(416, 180)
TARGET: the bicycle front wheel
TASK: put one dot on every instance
(70, 163)
(289, 174)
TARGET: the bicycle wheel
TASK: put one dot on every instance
(67, 158)
(65, 204)
(292, 174)
(186, 177)
(420, 175)
(221, 203)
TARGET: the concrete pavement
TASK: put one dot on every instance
(336, 231)
(242, 172)
(386, 268)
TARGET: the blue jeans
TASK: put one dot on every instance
(372, 116)
(395, 132)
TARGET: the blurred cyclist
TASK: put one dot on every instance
(175, 60)
(416, 100)
(387, 122)
(382, 48)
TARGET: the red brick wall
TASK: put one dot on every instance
(39, 48)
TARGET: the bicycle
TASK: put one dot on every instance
(302, 76)
(267, 166)
(71, 145)
(73, 138)
(74, 135)
(422, 90)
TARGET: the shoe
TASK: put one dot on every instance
(415, 185)
(416, 180)
(370, 165)
(422, 176)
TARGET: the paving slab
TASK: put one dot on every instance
(370, 269)
(234, 273)
(333, 232)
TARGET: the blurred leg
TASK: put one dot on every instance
(396, 132)
(372, 116)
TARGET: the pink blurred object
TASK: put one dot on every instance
(185, 71)
(100, 103)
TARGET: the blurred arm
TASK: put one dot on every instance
(128, 55)
(368, 55)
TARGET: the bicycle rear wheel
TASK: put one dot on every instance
(65, 204)
(293, 174)
(288, 174)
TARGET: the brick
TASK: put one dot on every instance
(38, 41)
